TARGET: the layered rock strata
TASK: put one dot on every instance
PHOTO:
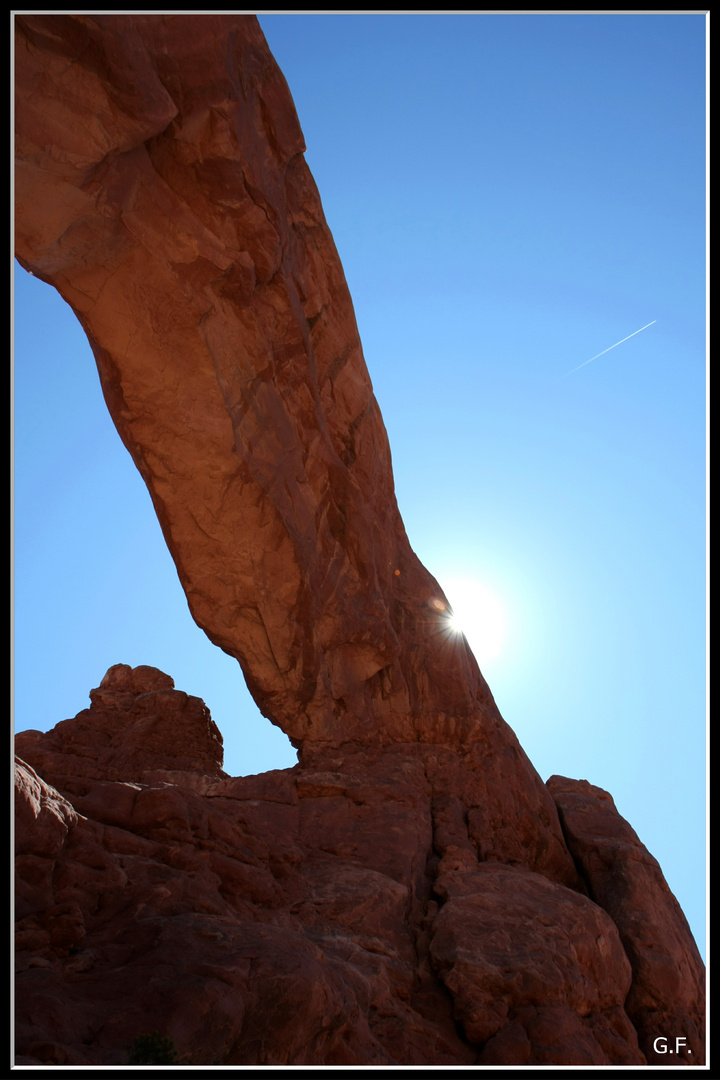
(412, 873)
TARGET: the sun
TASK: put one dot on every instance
(479, 615)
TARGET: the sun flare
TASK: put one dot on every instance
(479, 615)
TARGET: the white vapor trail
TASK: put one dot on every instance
(608, 349)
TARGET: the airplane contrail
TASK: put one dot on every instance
(608, 349)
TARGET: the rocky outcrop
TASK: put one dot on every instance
(347, 911)
(668, 988)
(137, 719)
(407, 894)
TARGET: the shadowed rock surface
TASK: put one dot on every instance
(667, 991)
(405, 894)
(352, 910)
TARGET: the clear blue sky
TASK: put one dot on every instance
(510, 196)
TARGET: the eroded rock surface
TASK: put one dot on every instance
(137, 719)
(161, 188)
(668, 988)
(406, 894)
(351, 910)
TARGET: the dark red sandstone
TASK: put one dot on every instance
(408, 893)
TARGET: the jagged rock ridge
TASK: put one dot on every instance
(355, 908)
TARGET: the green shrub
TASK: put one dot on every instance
(153, 1049)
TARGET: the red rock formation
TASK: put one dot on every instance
(411, 873)
(137, 717)
(347, 911)
(668, 987)
(161, 188)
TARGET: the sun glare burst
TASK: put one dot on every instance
(479, 615)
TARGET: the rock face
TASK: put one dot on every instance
(407, 893)
(351, 910)
(667, 990)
